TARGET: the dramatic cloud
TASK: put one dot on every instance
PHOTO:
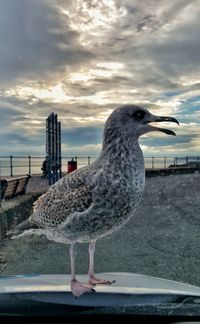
(37, 41)
(81, 59)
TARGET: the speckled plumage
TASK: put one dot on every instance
(93, 201)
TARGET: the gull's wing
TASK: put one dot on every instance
(74, 179)
(54, 207)
(70, 194)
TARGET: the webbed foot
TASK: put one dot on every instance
(79, 288)
(98, 281)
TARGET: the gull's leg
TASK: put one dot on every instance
(92, 279)
(78, 288)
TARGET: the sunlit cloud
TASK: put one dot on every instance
(54, 94)
(95, 19)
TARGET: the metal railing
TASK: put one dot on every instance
(20, 165)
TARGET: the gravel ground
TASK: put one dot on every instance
(162, 239)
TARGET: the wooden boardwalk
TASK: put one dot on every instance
(35, 184)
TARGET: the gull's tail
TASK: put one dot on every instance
(21, 229)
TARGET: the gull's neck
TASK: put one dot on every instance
(119, 146)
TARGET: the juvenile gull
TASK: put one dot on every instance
(98, 199)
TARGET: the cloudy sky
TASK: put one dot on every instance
(81, 59)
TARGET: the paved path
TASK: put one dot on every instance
(161, 240)
(37, 184)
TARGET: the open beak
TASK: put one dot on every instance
(154, 119)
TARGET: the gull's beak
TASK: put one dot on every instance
(153, 119)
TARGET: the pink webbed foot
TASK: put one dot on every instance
(98, 281)
(79, 288)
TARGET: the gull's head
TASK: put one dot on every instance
(134, 121)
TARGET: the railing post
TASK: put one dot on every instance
(88, 160)
(11, 166)
(29, 164)
(165, 162)
(152, 162)
(0, 193)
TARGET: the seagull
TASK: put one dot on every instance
(98, 199)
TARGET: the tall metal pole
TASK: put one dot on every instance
(49, 148)
(53, 148)
(59, 150)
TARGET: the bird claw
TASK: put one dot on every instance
(79, 288)
(98, 281)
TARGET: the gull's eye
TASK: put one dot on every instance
(139, 114)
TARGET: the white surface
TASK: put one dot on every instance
(126, 283)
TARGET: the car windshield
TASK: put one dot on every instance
(92, 94)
